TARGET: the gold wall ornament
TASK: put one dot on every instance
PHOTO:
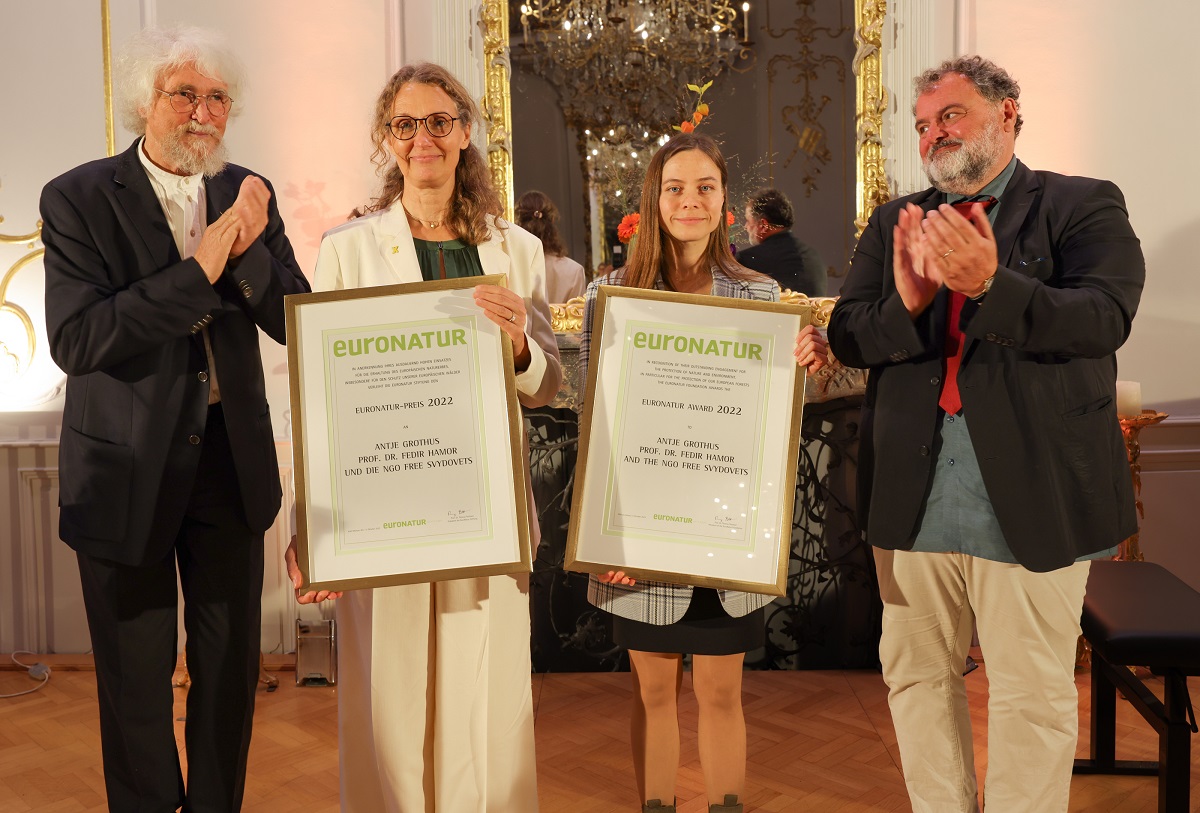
(106, 51)
(872, 186)
(834, 380)
(15, 361)
(800, 120)
(496, 105)
(822, 306)
(567, 317)
(1130, 550)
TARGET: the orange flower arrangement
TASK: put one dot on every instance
(699, 113)
(628, 227)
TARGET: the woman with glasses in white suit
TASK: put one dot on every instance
(434, 696)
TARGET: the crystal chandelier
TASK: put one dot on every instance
(628, 62)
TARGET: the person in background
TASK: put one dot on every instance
(775, 251)
(162, 264)
(684, 246)
(993, 467)
(538, 215)
(435, 704)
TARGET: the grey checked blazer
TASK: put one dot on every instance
(658, 602)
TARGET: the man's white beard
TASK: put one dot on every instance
(194, 159)
(961, 171)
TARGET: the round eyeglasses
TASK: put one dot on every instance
(184, 101)
(437, 125)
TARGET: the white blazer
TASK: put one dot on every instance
(378, 250)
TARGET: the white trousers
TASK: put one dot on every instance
(1028, 626)
(435, 707)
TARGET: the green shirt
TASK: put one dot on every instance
(456, 257)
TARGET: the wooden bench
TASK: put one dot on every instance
(1139, 614)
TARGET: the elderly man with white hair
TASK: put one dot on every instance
(162, 263)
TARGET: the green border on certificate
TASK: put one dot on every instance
(691, 430)
(403, 472)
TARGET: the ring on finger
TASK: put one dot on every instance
(512, 316)
(947, 254)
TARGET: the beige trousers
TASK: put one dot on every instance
(435, 708)
(1028, 624)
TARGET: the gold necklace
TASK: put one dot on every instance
(432, 224)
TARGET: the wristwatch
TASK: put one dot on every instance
(987, 286)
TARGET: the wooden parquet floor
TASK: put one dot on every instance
(818, 741)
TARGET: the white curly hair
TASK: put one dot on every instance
(153, 52)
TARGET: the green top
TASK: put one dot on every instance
(458, 259)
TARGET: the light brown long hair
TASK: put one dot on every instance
(648, 259)
(474, 195)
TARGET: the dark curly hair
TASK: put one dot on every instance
(993, 82)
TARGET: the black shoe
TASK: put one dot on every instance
(731, 805)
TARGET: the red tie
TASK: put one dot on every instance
(952, 350)
(950, 400)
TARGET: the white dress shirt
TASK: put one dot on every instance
(184, 201)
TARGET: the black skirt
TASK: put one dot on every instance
(705, 629)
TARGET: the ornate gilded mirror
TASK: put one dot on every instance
(812, 136)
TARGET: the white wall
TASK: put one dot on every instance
(314, 69)
(1104, 93)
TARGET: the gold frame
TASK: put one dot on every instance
(300, 451)
(106, 50)
(795, 421)
(497, 98)
(871, 101)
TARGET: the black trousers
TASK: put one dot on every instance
(132, 615)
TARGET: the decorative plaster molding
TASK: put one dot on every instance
(909, 48)
(393, 35)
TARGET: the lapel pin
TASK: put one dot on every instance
(395, 249)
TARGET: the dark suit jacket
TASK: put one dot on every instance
(123, 314)
(1038, 377)
(794, 265)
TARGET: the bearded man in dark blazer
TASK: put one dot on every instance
(162, 263)
(992, 468)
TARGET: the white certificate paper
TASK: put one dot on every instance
(687, 467)
(408, 464)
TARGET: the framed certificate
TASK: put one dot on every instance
(406, 437)
(687, 462)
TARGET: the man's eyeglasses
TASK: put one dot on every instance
(437, 125)
(184, 101)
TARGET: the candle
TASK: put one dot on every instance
(745, 22)
(1129, 399)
